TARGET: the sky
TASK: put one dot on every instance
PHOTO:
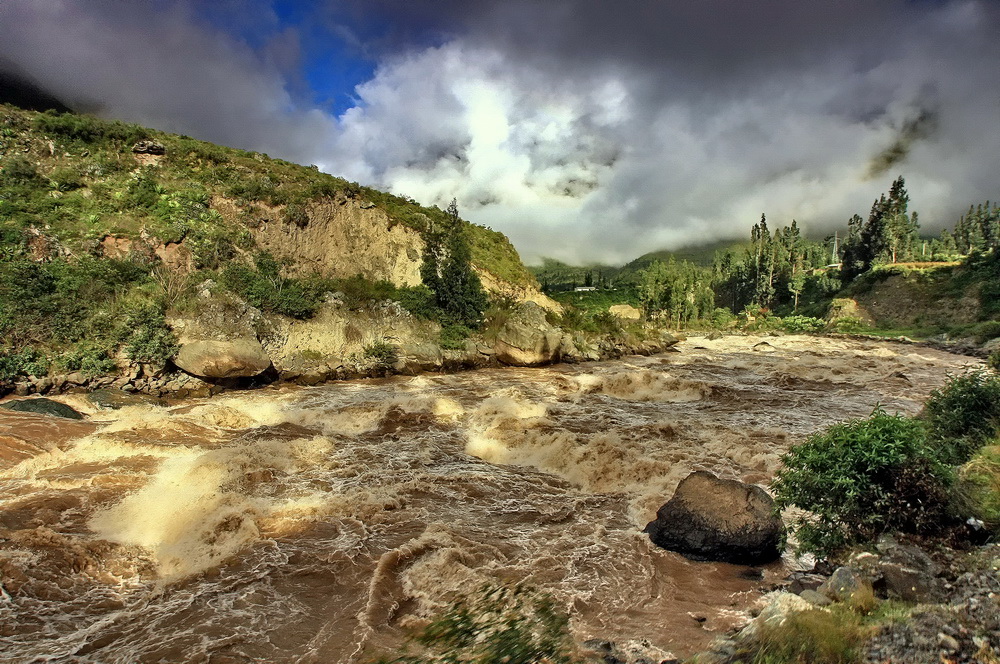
(585, 130)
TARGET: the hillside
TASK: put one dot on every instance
(120, 243)
(88, 184)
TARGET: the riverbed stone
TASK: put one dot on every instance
(43, 406)
(709, 518)
(238, 358)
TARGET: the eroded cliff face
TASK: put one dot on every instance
(338, 238)
(495, 286)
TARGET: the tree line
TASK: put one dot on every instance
(782, 270)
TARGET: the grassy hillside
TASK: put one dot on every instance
(79, 179)
(90, 211)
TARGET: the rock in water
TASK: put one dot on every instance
(714, 519)
(44, 407)
(240, 358)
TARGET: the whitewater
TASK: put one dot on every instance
(320, 524)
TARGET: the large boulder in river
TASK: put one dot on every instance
(43, 406)
(714, 519)
(238, 358)
(527, 339)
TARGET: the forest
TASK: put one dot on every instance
(779, 270)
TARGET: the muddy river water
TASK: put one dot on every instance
(318, 524)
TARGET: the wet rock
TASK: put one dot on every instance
(714, 335)
(714, 519)
(240, 358)
(527, 339)
(764, 347)
(112, 399)
(844, 584)
(43, 406)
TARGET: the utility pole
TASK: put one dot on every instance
(833, 255)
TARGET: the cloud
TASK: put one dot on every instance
(582, 133)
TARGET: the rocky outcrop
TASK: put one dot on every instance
(625, 312)
(520, 293)
(714, 519)
(239, 358)
(340, 237)
(43, 406)
(527, 339)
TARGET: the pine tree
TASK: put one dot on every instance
(447, 271)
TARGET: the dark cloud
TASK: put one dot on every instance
(581, 129)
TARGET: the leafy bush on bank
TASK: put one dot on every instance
(964, 414)
(862, 478)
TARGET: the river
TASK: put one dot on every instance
(295, 524)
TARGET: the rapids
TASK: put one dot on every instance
(317, 524)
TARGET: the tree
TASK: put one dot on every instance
(447, 272)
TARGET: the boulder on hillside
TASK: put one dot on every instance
(715, 519)
(527, 339)
(239, 358)
(43, 406)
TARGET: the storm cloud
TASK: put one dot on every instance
(581, 132)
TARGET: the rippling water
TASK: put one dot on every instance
(318, 524)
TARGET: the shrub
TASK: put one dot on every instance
(861, 478)
(453, 336)
(65, 179)
(145, 335)
(802, 324)
(381, 352)
(91, 358)
(419, 301)
(500, 625)
(986, 330)
(810, 637)
(849, 325)
(964, 414)
(18, 170)
(25, 362)
(977, 490)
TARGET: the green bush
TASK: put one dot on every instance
(802, 324)
(24, 362)
(91, 358)
(381, 352)
(419, 301)
(977, 490)
(986, 330)
(453, 336)
(145, 335)
(964, 414)
(263, 287)
(65, 179)
(849, 325)
(861, 478)
(500, 625)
